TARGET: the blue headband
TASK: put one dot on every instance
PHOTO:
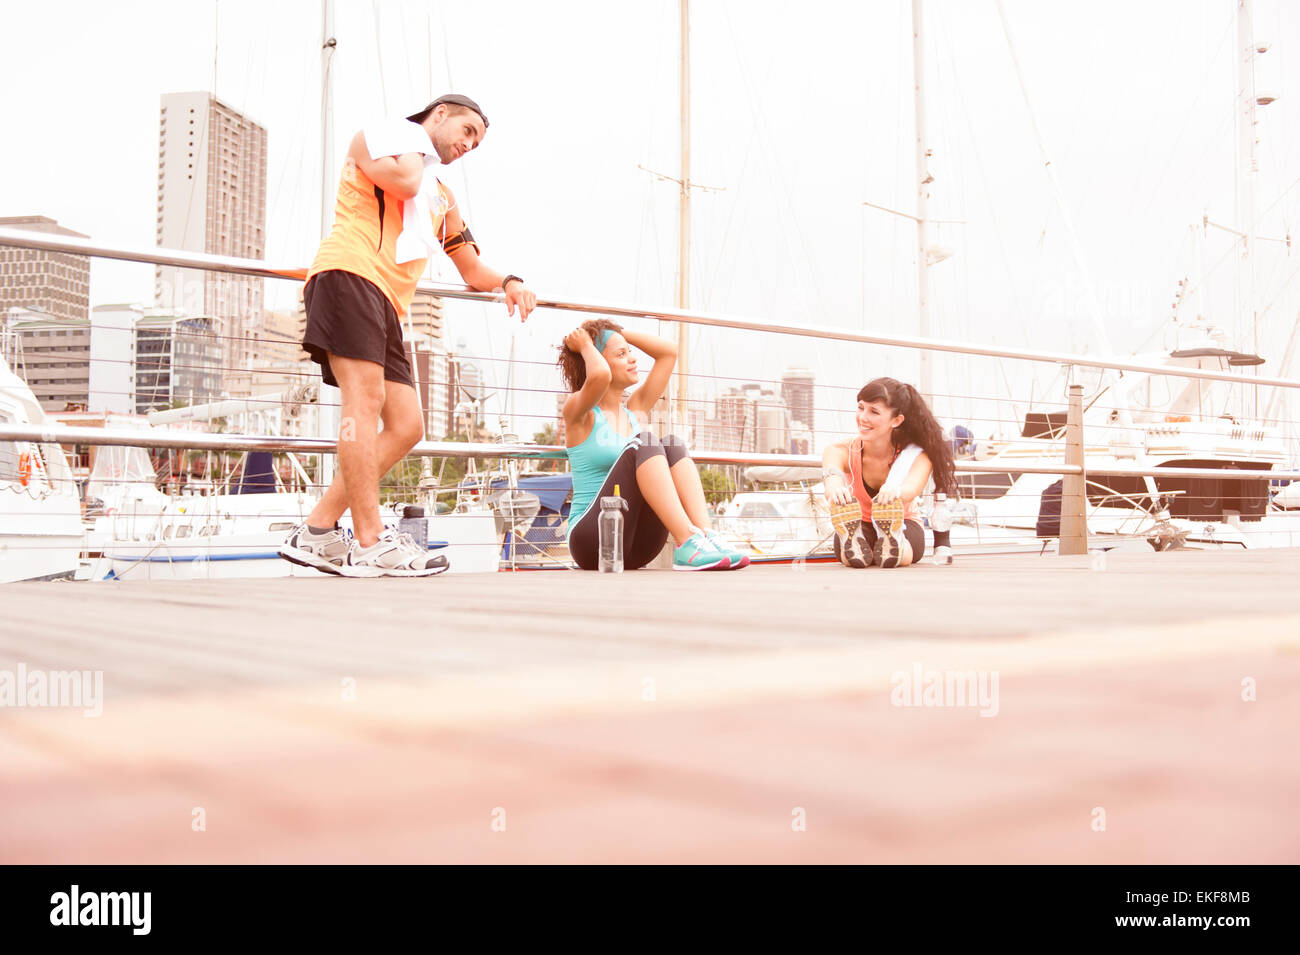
(602, 338)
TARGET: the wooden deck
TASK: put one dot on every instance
(655, 717)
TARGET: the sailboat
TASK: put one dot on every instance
(1160, 421)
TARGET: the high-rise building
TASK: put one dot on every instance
(750, 418)
(771, 424)
(797, 388)
(55, 353)
(212, 198)
(801, 439)
(112, 358)
(732, 413)
(54, 283)
(277, 340)
(432, 368)
(425, 317)
(177, 358)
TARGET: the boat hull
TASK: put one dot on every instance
(467, 540)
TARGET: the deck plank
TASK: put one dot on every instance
(525, 692)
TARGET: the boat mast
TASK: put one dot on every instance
(684, 220)
(328, 406)
(328, 44)
(923, 180)
(1247, 165)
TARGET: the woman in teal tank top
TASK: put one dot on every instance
(610, 446)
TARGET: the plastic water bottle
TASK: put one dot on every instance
(414, 522)
(611, 533)
(941, 524)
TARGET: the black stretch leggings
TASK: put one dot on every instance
(644, 535)
(911, 530)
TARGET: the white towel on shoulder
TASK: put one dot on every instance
(396, 137)
(903, 464)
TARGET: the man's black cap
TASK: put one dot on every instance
(451, 99)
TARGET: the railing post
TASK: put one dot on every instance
(1074, 497)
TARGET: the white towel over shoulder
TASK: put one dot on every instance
(396, 137)
(902, 464)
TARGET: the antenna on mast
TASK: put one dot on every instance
(328, 44)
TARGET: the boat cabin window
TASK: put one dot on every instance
(1040, 424)
(759, 509)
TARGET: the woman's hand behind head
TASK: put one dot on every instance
(576, 339)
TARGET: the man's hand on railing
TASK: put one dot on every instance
(519, 295)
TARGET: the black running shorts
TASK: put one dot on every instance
(349, 317)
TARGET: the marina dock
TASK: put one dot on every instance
(1144, 712)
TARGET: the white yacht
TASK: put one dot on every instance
(1152, 421)
(40, 509)
(783, 518)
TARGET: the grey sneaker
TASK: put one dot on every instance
(393, 555)
(325, 552)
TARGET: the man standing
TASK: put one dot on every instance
(391, 214)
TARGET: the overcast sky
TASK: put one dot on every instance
(800, 113)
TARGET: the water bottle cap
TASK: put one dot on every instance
(613, 504)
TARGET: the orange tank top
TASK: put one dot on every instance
(367, 223)
(911, 512)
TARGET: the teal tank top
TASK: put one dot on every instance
(592, 460)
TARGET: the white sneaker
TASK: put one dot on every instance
(851, 545)
(393, 555)
(322, 551)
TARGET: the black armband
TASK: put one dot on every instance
(454, 243)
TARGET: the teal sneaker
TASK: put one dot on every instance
(699, 553)
(721, 542)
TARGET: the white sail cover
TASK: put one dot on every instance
(120, 467)
(781, 475)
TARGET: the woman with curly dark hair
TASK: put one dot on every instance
(873, 481)
(611, 447)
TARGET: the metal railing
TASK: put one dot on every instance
(1073, 469)
(177, 440)
(256, 268)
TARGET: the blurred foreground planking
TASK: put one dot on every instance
(659, 717)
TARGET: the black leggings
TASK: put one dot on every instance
(644, 535)
(911, 530)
